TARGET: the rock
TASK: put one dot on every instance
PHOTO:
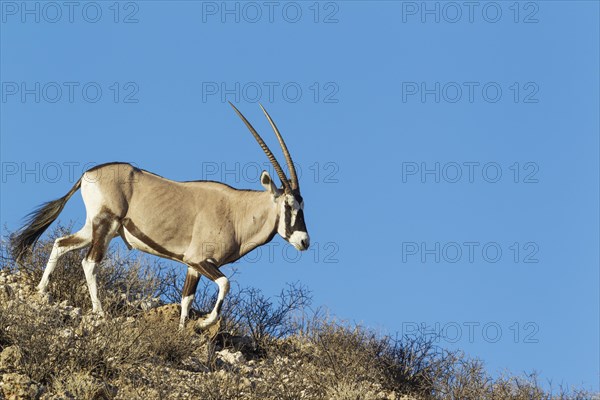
(233, 358)
(66, 333)
(75, 314)
(169, 312)
(43, 298)
(19, 386)
(387, 395)
(11, 358)
(149, 304)
(244, 384)
(88, 324)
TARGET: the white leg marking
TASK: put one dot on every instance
(59, 251)
(56, 253)
(223, 283)
(186, 303)
(89, 267)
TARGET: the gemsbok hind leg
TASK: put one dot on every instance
(62, 246)
(103, 230)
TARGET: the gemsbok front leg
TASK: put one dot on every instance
(210, 270)
(187, 296)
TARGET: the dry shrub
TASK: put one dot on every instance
(247, 311)
(353, 354)
(296, 353)
(81, 385)
(251, 313)
(4, 338)
(104, 349)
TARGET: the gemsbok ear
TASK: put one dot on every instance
(267, 182)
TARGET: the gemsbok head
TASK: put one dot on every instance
(202, 224)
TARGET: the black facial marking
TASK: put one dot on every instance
(287, 219)
(299, 224)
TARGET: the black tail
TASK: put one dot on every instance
(37, 222)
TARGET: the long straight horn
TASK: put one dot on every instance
(266, 149)
(286, 153)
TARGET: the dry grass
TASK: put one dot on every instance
(287, 351)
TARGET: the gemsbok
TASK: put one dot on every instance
(202, 224)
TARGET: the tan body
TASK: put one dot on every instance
(192, 221)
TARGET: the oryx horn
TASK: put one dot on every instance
(286, 153)
(267, 151)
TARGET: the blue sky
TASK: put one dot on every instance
(448, 153)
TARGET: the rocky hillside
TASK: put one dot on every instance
(54, 350)
(52, 347)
